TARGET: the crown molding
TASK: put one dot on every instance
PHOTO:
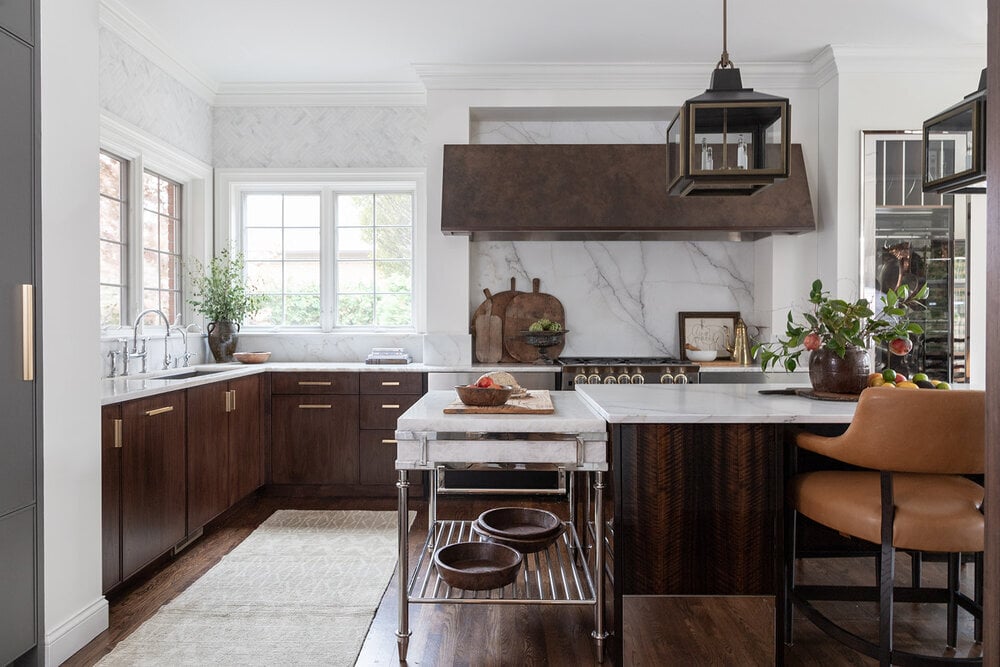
(138, 34)
(320, 94)
(873, 59)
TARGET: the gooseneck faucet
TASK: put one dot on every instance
(135, 338)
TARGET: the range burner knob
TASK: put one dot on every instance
(680, 378)
(666, 378)
(624, 378)
(593, 378)
(610, 379)
(579, 378)
(638, 379)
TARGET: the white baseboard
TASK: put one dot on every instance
(65, 640)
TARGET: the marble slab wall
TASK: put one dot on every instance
(141, 93)
(621, 297)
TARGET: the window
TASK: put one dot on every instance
(329, 255)
(161, 245)
(114, 204)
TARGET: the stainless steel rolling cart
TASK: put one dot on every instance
(572, 439)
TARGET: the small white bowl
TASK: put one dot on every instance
(702, 355)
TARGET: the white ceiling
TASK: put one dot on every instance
(377, 41)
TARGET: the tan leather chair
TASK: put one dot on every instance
(916, 446)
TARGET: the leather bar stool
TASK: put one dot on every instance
(915, 446)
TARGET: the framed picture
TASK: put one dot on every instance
(706, 331)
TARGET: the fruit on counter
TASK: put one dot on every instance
(899, 378)
(924, 384)
(500, 378)
(920, 377)
(484, 382)
(890, 378)
(812, 341)
(900, 346)
(943, 385)
(876, 380)
(544, 325)
(906, 385)
(889, 375)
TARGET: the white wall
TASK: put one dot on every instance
(75, 611)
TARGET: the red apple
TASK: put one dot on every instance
(485, 382)
(812, 342)
(900, 378)
(900, 346)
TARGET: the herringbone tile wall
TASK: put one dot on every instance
(319, 136)
(141, 93)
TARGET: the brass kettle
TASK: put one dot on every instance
(739, 348)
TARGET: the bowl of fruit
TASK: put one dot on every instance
(544, 334)
(484, 393)
(891, 378)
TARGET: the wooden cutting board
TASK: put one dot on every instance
(499, 307)
(489, 334)
(524, 309)
(537, 402)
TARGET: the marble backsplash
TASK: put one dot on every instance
(621, 297)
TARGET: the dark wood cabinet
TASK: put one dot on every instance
(153, 478)
(225, 457)
(382, 410)
(111, 495)
(314, 439)
(392, 383)
(314, 383)
(378, 458)
(246, 450)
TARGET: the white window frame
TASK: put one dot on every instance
(144, 152)
(232, 184)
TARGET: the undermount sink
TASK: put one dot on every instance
(197, 372)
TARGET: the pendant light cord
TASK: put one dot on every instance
(724, 60)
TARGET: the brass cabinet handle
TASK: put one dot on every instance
(27, 333)
(229, 402)
(389, 441)
(390, 383)
(390, 406)
(159, 411)
(232, 400)
(316, 406)
(118, 433)
(313, 383)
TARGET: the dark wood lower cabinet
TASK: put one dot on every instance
(153, 478)
(246, 450)
(207, 453)
(378, 457)
(314, 439)
(111, 495)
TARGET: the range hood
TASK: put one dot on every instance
(603, 192)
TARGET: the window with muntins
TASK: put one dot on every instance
(162, 281)
(330, 258)
(113, 240)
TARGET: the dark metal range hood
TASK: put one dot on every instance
(603, 192)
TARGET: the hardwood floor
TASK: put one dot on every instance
(523, 634)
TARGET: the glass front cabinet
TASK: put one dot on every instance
(912, 238)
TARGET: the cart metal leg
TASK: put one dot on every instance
(599, 634)
(403, 576)
(432, 511)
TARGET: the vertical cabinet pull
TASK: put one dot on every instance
(232, 400)
(28, 333)
(159, 411)
(118, 433)
(229, 402)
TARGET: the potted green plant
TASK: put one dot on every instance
(220, 292)
(839, 334)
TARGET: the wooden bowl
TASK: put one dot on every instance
(519, 523)
(521, 545)
(251, 357)
(484, 396)
(477, 566)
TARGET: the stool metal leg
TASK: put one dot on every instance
(789, 571)
(916, 562)
(977, 595)
(953, 561)
(887, 573)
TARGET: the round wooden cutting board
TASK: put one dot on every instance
(521, 312)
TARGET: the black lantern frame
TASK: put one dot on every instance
(940, 172)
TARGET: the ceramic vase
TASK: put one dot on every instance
(830, 373)
(222, 340)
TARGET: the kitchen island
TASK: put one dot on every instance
(572, 438)
(697, 488)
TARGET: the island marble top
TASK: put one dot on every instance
(710, 404)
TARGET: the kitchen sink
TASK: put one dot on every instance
(195, 373)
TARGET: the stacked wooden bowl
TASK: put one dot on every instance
(522, 528)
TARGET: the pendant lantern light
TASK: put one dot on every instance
(955, 146)
(730, 140)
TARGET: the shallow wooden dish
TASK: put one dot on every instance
(521, 545)
(477, 566)
(251, 357)
(484, 396)
(519, 523)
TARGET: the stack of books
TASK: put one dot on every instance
(388, 355)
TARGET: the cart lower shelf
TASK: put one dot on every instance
(558, 575)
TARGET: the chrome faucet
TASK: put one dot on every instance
(183, 332)
(135, 339)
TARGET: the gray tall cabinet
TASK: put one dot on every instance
(20, 393)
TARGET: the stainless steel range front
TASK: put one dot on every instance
(625, 370)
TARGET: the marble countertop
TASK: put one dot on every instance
(116, 390)
(710, 403)
(571, 415)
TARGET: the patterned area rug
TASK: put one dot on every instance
(302, 589)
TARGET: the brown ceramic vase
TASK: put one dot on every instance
(831, 374)
(222, 340)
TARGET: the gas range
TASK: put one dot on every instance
(626, 370)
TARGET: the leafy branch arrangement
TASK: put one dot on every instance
(220, 291)
(836, 325)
